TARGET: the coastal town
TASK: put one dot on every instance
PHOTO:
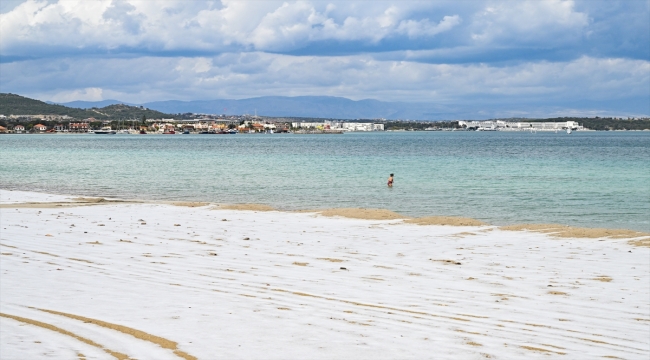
(221, 124)
(203, 124)
(22, 115)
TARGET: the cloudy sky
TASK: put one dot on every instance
(510, 57)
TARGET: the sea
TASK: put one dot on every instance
(587, 179)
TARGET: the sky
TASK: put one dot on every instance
(507, 58)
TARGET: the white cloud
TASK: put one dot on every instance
(174, 25)
(425, 28)
(229, 49)
(87, 94)
(530, 21)
(357, 77)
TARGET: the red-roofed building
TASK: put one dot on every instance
(40, 128)
(19, 129)
(78, 127)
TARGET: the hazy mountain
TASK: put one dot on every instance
(343, 108)
(307, 106)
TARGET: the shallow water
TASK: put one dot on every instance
(595, 179)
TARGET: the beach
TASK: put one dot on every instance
(99, 278)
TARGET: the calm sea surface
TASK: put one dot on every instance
(595, 179)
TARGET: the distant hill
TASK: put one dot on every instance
(273, 106)
(93, 104)
(12, 104)
(121, 111)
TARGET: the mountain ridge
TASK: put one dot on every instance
(291, 106)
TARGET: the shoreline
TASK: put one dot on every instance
(555, 230)
(191, 280)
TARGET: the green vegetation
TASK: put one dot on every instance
(126, 112)
(419, 125)
(12, 104)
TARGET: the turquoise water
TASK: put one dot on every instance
(595, 179)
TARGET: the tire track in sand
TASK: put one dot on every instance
(115, 354)
(160, 341)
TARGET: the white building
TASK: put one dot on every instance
(339, 126)
(500, 125)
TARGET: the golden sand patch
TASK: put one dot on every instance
(248, 207)
(300, 263)
(473, 343)
(463, 234)
(383, 267)
(82, 260)
(45, 253)
(603, 278)
(89, 200)
(447, 262)
(538, 325)
(564, 231)
(190, 203)
(557, 293)
(331, 260)
(468, 332)
(80, 201)
(540, 350)
(645, 242)
(445, 220)
(359, 213)
(162, 342)
(115, 354)
(475, 316)
(372, 278)
(7, 254)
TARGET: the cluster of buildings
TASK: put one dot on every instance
(20, 129)
(71, 127)
(501, 125)
(334, 125)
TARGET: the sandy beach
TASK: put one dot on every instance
(86, 278)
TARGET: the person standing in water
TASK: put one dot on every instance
(390, 180)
